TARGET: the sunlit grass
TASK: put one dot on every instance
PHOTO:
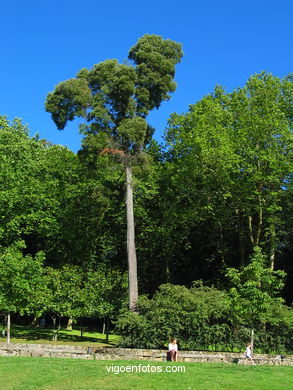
(19, 373)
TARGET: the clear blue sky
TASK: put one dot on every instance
(44, 42)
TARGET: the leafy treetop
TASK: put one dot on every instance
(114, 99)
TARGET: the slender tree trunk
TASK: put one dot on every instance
(250, 230)
(54, 322)
(104, 324)
(272, 246)
(8, 329)
(107, 329)
(69, 324)
(34, 322)
(255, 237)
(131, 251)
(55, 330)
(272, 260)
(260, 218)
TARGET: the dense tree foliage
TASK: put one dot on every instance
(214, 203)
(79, 293)
(47, 198)
(229, 164)
(21, 287)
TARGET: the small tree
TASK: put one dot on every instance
(105, 293)
(21, 279)
(254, 291)
(66, 295)
(79, 294)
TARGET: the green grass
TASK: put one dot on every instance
(21, 373)
(25, 334)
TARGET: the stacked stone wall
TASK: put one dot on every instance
(90, 352)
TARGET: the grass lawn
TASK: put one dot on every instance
(21, 373)
(25, 334)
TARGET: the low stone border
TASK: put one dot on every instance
(82, 352)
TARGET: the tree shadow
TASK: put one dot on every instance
(33, 334)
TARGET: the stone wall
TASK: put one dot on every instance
(80, 352)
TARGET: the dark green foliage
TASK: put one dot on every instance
(202, 318)
(191, 315)
(70, 99)
(47, 198)
(114, 98)
(21, 281)
(78, 293)
(222, 190)
(227, 173)
(155, 61)
(254, 291)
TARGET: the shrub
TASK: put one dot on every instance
(201, 318)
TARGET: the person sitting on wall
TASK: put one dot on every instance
(173, 350)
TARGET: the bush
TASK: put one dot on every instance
(194, 316)
(201, 319)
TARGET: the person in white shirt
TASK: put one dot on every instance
(173, 350)
(248, 354)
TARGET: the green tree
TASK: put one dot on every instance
(77, 293)
(32, 180)
(114, 100)
(105, 293)
(229, 162)
(66, 298)
(254, 292)
(21, 282)
(48, 198)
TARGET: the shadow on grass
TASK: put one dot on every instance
(33, 334)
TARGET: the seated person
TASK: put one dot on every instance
(173, 350)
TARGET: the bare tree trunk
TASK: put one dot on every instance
(55, 329)
(69, 324)
(272, 260)
(8, 329)
(54, 321)
(34, 322)
(250, 230)
(260, 219)
(272, 246)
(107, 330)
(255, 237)
(131, 251)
